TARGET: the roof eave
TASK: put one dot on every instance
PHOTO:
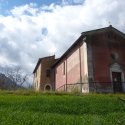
(39, 60)
(82, 35)
(37, 65)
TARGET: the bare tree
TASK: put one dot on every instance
(16, 75)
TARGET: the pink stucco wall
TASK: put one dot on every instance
(74, 66)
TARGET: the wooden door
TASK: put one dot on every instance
(117, 81)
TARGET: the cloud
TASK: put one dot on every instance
(72, 2)
(30, 32)
(28, 9)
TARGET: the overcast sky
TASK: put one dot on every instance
(31, 29)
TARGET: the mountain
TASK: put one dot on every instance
(7, 84)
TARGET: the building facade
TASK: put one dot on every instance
(95, 62)
(43, 75)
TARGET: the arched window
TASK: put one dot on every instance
(48, 73)
(48, 87)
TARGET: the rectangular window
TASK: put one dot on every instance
(48, 73)
(37, 85)
(34, 84)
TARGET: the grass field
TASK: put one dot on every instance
(61, 109)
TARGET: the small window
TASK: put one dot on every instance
(115, 37)
(47, 88)
(48, 73)
(109, 36)
(114, 56)
(34, 84)
(63, 68)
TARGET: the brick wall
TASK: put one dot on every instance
(103, 45)
(40, 77)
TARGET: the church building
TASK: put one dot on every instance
(95, 62)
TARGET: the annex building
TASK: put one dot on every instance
(95, 62)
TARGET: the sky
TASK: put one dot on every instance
(32, 29)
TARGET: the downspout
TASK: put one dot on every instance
(66, 74)
(80, 68)
(53, 78)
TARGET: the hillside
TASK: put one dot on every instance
(61, 109)
(7, 84)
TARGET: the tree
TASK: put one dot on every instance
(16, 75)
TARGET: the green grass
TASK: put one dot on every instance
(29, 108)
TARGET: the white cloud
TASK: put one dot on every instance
(72, 2)
(26, 9)
(29, 32)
